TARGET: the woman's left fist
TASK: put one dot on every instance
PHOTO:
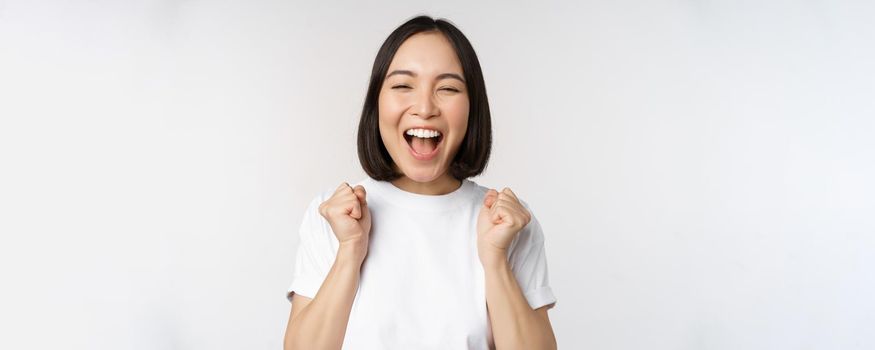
(501, 217)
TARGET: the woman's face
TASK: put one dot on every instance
(423, 107)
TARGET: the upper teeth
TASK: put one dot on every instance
(423, 133)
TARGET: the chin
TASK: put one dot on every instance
(423, 175)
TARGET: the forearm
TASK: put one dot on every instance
(514, 324)
(322, 323)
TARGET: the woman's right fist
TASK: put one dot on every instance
(347, 213)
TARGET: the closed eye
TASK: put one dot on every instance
(450, 89)
(401, 87)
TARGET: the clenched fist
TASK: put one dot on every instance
(501, 217)
(347, 213)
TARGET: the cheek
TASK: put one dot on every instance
(391, 105)
(457, 116)
(388, 132)
(387, 113)
(388, 121)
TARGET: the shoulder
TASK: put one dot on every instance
(480, 192)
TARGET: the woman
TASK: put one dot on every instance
(416, 256)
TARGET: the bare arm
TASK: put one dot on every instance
(320, 322)
(514, 324)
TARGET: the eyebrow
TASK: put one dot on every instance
(439, 77)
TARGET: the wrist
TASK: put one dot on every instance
(354, 252)
(493, 257)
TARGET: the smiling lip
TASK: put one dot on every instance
(424, 127)
(427, 156)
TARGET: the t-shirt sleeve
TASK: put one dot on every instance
(317, 249)
(528, 261)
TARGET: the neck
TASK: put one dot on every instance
(440, 186)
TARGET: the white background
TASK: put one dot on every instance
(703, 170)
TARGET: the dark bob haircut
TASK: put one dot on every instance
(473, 153)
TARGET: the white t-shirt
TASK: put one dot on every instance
(422, 285)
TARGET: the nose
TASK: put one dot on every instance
(425, 106)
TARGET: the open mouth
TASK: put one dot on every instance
(423, 142)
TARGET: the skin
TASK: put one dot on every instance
(424, 87)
